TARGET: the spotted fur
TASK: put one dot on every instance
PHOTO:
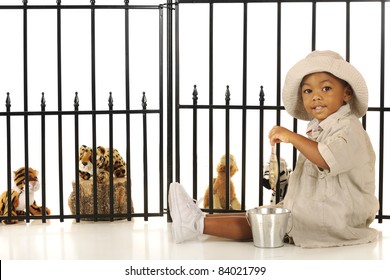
(102, 163)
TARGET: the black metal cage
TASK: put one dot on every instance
(180, 135)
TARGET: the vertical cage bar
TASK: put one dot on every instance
(170, 148)
(244, 103)
(177, 91)
(93, 95)
(76, 156)
(59, 94)
(382, 112)
(211, 102)
(145, 151)
(170, 92)
(195, 143)
(161, 105)
(295, 153)
(128, 124)
(313, 25)
(43, 157)
(169, 80)
(261, 145)
(278, 89)
(111, 148)
(9, 150)
(25, 92)
(347, 30)
(227, 147)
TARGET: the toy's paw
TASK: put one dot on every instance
(9, 222)
(235, 204)
(48, 212)
(120, 172)
(103, 177)
(14, 215)
(84, 175)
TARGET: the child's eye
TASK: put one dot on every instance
(307, 91)
(326, 88)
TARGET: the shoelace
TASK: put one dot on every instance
(194, 204)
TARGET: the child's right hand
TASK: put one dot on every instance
(308, 147)
(279, 134)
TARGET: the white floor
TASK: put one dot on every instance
(152, 240)
(124, 250)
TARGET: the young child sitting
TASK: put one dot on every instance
(331, 191)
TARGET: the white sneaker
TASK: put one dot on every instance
(187, 218)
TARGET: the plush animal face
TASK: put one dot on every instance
(102, 157)
(20, 179)
(221, 167)
(85, 162)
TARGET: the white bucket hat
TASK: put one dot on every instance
(323, 61)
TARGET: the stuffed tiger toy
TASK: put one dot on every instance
(18, 196)
(102, 164)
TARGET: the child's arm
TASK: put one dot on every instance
(307, 147)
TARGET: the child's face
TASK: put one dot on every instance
(323, 94)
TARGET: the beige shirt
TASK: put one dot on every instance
(334, 207)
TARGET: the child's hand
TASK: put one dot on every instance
(279, 134)
(308, 147)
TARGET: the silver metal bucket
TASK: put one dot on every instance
(269, 225)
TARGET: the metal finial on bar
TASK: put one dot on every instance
(8, 101)
(24, 2)
(261, 95)
(227, 94)
(58, 2)
(76, 101)
(127, 2)
(43, 101)
(144, 100)
(195, 94)
(110, 101)
(93, 2)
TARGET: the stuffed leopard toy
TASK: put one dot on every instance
(102, 164)
(18, 196)
(284, 175)
(103, 192)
